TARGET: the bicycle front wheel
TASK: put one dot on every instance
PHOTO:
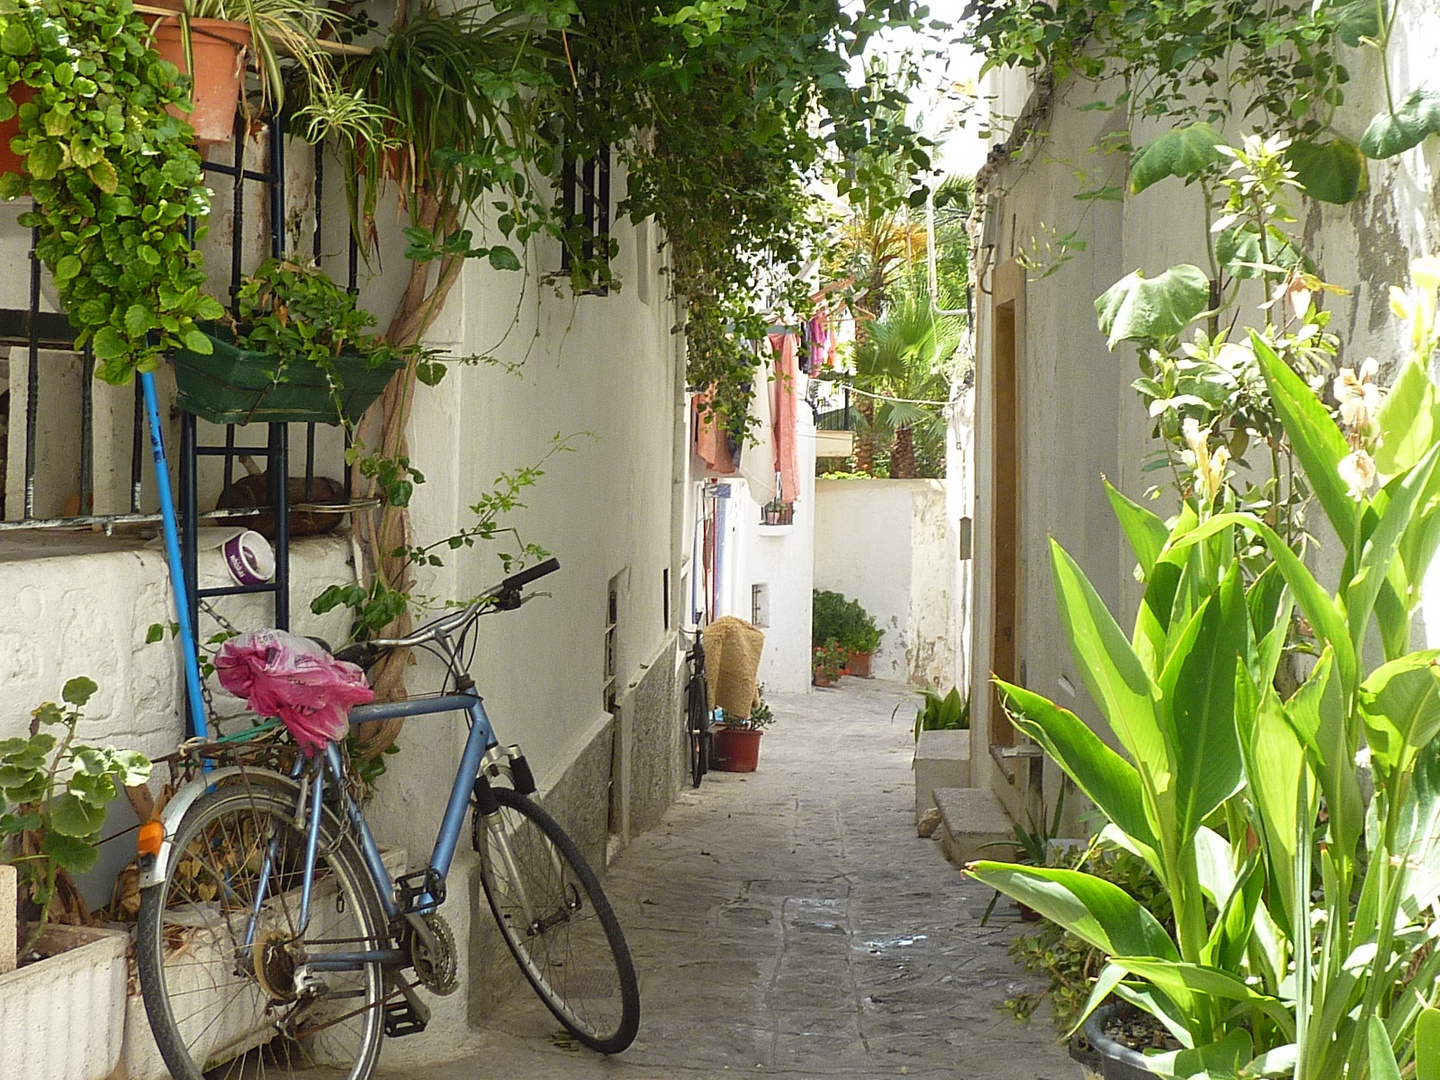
(233, 995)
(558, 923)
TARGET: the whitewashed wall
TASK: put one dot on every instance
(893, 546)
(603, 371)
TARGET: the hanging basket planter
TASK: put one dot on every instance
(236, 386)
(221, 50)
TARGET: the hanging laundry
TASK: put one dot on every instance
(785, 391)
(715, 446)
(822, 343)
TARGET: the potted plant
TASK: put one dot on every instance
(113, 178)
(737, 741)
(211, 40)
(828, 661)
(949, 712)
(53, 799)
(1221, 784)
(298, 350)
(862, 635)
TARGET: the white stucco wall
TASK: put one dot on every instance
(892, 545)
(602, 371)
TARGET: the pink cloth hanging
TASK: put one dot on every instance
(783, 391)
(293, 678)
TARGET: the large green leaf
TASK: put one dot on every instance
(1110, 669)
(1392, 133)
(1382, 1056)
(1400, 707)
(1317, 441)
(1332, 171)
(1197, 705)
(1317, 712)
(1406, 421)
(1176, 979)
(1145, 531)
(1184, 152)
(72, 816)
(1107, 779)
(1094, 910)
(1358, 19)
(1314, 601)
(1427, 1045)
(1383, 544)
(1417, 835)
(1137, 308)
(1275, 762)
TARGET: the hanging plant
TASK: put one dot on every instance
(113, 177)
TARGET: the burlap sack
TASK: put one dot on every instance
(732, 657)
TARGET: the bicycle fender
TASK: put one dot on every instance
(180, 803)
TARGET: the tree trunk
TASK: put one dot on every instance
(865, 435)
(902, 456)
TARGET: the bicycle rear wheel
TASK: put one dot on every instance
(556, 920)
(222, 1009)
(697, 708)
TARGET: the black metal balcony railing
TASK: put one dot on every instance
(841, 419)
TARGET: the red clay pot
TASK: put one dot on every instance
(221, 50)
(737, 751)
(820, 678)
(859, 665)
(9, 160)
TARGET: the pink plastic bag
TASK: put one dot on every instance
(280, 674)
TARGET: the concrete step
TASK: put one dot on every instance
(970, 818)
(942, 760)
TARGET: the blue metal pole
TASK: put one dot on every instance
(189, 654)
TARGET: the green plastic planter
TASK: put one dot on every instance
(231, 386)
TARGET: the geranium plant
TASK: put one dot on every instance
(53, 796)
(113, 177)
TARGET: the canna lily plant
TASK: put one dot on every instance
(1305, 919)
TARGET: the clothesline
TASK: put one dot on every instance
(884, 397)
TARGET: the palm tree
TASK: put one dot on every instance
(908, 359)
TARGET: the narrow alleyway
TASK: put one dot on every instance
(789, 922)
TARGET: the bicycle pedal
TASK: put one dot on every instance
(408, 1016)
(420, 892)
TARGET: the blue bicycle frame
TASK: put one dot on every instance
(481, 739)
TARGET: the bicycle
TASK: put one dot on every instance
(273, 941)
(697, 711)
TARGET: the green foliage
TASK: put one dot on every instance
(1392, 133)
(1222, 778)
(113, 177)
(1137, 308)
(761, 716)
(379, 604)
(54, 794)
(741, 109)
(834, 617)
(949, 712)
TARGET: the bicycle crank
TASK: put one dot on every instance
(432, 952)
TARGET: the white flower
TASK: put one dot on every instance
(1358, 396)
(1209, 466)
(1358, 472)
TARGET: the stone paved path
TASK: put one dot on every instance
(789, 922)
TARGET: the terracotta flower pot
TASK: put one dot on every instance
(221, 50)
(821, 678)
(9, 160)
(859, 665)
(737, 750)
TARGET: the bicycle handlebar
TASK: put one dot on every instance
(502, 597)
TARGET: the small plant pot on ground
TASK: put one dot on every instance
(859, 665)
(1119, 1061)
(737, 750)
(235, 386)
(220, 49)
